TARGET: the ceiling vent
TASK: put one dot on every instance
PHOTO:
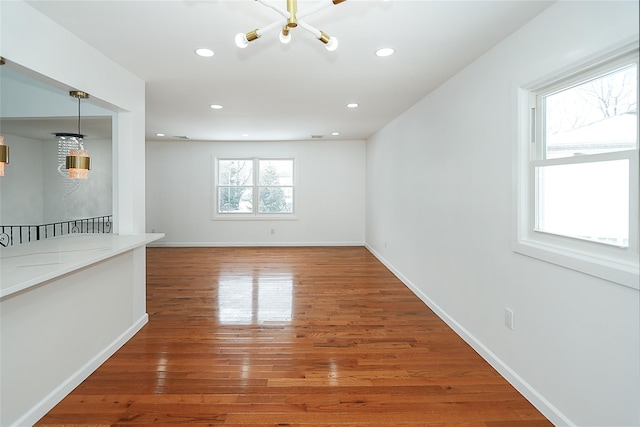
(317, 136)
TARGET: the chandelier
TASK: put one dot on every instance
(4, 155)
(291, 19)
(77, 160)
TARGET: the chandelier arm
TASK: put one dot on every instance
(313, 30)
(331, 43)
(278, 24)
(282, 12)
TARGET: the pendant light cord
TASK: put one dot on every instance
(79, 133)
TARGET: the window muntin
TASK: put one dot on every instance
(244, 184)
(577, 191)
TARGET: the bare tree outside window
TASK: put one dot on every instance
(276, 190)
(244, 183)
(597, 116)
(235, 178)
(580, 192)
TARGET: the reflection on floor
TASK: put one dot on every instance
(290, 336)
(255, 298)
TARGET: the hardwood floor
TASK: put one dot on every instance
(289, 336)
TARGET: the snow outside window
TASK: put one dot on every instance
(254, 187)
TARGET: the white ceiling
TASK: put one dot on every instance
(272, 91)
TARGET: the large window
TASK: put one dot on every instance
(578, 170)
(254, 187)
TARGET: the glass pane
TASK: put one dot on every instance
(598, 116)
(585, 200)
(276, 172)
(235, 172)
(275, 200)
(235, 200)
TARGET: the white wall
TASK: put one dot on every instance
(33, 192)
(54, 335)
(21, 187)
(446, 230)
(34, 42)
(329, 196)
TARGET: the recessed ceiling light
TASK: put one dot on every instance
(216, 106)
(159, 134)
(204, 52)
(352, 105)
(385, 51)
(335, 133)
(245, 134)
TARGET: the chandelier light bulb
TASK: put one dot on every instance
(285, 39)
(241, 40)
(332, 45)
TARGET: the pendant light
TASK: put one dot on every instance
(4, 155)
(78, 161)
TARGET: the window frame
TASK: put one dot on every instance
(616, 264)
(255, 215)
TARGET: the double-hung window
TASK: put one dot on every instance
(578, 170)
(254, 187)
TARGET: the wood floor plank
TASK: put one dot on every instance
(289, 336)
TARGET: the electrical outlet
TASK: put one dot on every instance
(508, 318)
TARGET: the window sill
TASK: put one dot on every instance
(243, 217)
(622, 273)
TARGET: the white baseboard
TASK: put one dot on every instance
(67, 386)
(530, 393)
(248, 244)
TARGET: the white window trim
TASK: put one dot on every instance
(253, 216)
(618, 265)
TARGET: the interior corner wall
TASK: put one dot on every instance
(575, 348)
(31, 40)
(36, 43)
(329, 196)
